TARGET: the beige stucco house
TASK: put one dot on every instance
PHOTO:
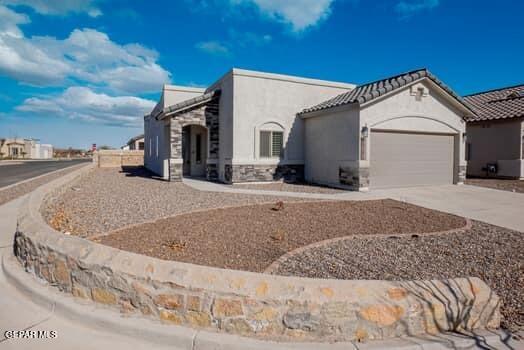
(18, 148)
(495, 135)
(405, 130)
(135, 143)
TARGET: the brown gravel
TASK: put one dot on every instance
(494, 254)
(19, 190)
(289, 187)
(252, 237)
(108, 199)
(498, 184)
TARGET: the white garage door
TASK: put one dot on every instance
(410, 159)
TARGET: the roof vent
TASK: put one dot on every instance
(516, 94)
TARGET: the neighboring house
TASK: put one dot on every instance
(13, 148)
(35, 150)
(406, 130)
(495, 136)
(135, 143)
(17, 148)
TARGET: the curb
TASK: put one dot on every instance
(42, 175)
(92, 315)
(276, 264)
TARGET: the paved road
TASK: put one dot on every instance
(15, 172)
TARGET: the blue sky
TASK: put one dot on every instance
(76, 72)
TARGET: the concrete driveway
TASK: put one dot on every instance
(501, 208)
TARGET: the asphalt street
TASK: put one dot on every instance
(11, 173)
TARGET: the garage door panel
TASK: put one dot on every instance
(410, 159)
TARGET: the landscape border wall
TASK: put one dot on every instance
(245, 303)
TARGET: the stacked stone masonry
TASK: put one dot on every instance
(206, 116)
(245, 303)
(255, 173)
(356, 178)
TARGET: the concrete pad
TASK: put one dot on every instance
(496, 207)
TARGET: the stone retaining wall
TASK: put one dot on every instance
(246, 303)
(118, 158)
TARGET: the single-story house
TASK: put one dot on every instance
(495, 134)
(135, 143)
(406, 130)
(12, 148)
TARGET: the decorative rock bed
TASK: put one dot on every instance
(246, 303)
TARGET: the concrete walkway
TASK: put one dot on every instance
(496, 207)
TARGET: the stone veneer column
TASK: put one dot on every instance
(356, 178)
(175, 159)
(461, 174)
(206, 116)
(212, 123)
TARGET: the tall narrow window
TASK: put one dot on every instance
(198, 148)
(277, 141)
(265, 144)
(271, 144)
(157, 146)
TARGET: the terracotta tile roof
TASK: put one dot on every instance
(188, 104)
(367, 92)
(497, 104)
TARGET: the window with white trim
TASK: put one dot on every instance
(271, 144)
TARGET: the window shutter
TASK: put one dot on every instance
(265, 146)
(277, 143)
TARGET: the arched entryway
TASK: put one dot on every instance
(194, 150)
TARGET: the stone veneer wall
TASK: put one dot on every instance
(462, 174)
(206, 116)
(245, 303)
(356, 178)
(255, 173)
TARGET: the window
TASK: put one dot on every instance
(141, 146)
(271, 144)
(198, 148)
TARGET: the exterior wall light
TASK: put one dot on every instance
(365, 132)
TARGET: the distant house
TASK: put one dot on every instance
(404, 130)
(135, 143)
(17, 148)
(495, 134)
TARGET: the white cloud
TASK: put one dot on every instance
(84, 104)
(407, 9)
(234, 41)
(86, 55)
(300, 14)
(58, 7)
(213, 47)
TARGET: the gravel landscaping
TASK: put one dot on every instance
(19, 190)
(289, 187)
(498, 184)
(107, 199)
(494, 254)
(252, 237)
